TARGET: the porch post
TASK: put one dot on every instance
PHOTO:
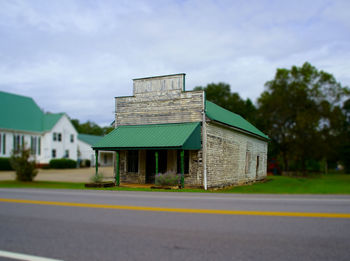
(156, 154)
(182, 169)
(117, 177)
(96, 162)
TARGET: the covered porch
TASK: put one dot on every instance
(142, 151)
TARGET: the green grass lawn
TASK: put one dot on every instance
(320, 184)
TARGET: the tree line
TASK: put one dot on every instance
(304, 111)
(91, 128)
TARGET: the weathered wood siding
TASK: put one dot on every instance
(159, 109)
(159, 100)
(168, 85)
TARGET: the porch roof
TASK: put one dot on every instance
(185, 136)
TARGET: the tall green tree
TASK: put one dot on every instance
(91, 128)
(301, 112)
(220, 94)
(345, 138)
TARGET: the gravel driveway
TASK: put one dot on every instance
(64, 175)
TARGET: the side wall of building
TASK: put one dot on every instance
(234, 157)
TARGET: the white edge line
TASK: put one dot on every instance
(25, 257)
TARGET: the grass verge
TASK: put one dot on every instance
(320, 184)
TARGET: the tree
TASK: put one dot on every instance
(345, 139)
(301, 112)
(91, 128)
(220, 94)
(25, 167)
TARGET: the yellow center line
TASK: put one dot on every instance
(181, 210)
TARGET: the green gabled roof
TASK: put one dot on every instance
(89, 139)
(175, 135)
(19, 113)
(50, 119)
(217, 113)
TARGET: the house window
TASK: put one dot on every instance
(133, 161)
(72, 138)
(53, 154)
(59, 137)
(54, 136)
(39, 146)
(247, 162)
(33, 145)
(17, 142)
(4, 143)
(66, 155)
(186, 161)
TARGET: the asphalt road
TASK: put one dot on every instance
(95, 233)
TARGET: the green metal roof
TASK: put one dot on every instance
(23, 114)
(89, 139)
(19, 113)
(222, 115)
(176, 135)
(50, 119)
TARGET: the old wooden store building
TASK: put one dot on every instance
(163, 128)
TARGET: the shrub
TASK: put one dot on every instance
(167, 179)
(97, 178)
(24, 167)
(87, 163)
(5, 164)
(63, 164)
(84, 163)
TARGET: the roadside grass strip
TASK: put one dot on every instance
(181, 210)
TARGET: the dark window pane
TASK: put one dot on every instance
(133, 161)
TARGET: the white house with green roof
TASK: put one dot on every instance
(85, 151)
(48, 135)
(164, 128)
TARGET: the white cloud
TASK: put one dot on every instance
(76, 56)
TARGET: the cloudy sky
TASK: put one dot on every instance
(76, 56)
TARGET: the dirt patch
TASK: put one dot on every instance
(64, 175)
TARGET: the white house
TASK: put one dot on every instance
(85, 152)
(49, 135)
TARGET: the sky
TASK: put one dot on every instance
(76, 56)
